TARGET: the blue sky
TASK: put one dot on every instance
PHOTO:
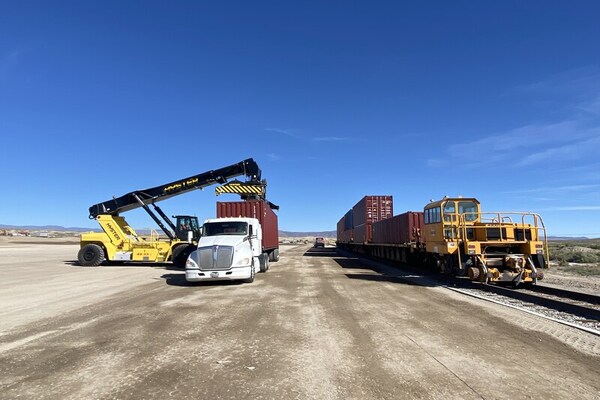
(335, 100)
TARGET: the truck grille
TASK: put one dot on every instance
(215, 257)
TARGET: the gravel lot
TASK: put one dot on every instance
(315, 326)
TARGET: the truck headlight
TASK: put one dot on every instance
(190, 264)
(243, 261)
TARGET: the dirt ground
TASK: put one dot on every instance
(315, 326)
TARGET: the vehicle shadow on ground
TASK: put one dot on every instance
(321, 252)
(179, 280)
(405, 280)
(167, 266)
(385, 273)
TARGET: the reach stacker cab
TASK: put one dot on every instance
(119, 242)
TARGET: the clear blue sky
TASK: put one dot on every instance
(335, 100)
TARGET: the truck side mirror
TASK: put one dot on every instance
(250, 230)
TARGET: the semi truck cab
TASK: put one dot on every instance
(229, 249)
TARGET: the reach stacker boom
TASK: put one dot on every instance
(119, 242)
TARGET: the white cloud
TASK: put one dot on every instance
(293, 133)
(554, 189)
(572, 208)
(567, 140)
(575, 138)
(331, 139)
(577, 81)
(286, 132)
(574, 151)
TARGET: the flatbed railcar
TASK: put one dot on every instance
(453, 236)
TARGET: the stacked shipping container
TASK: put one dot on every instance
(356, 225)
(368, 210)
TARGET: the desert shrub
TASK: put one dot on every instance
(564, 256)
(584, 258)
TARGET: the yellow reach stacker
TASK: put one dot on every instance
(119, 242)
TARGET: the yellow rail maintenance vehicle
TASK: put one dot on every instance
(508, 247)
(119, 242)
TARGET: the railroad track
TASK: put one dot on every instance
(576, 309)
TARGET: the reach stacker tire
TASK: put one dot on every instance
(91, 255)
(181, 254)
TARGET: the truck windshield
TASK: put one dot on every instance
(225, 228)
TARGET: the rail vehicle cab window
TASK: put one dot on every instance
(449, 211)
(469, 208)
(433, 215)
(225, 228)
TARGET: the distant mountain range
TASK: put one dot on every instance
(46, 228)
(327, 234)
(324, 234)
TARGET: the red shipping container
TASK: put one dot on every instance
(362, 233)
(254, 209)
(372, 209)
(347, 236)
(344, 235)
(403, 228)
(340, 228)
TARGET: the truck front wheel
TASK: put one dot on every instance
(90, 255)
(252, 273)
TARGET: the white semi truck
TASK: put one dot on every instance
(236, 245)
(229, 249)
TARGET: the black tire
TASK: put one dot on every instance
(538, 261)
(252, 274)
(91, 255)
(181, 254)
(264, 262)
(274, 255)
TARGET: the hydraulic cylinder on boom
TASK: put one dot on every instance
(119, 242)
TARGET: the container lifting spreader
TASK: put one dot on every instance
(120, 242)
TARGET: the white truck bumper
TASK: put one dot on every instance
(196, 275)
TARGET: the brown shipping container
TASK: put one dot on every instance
(372, 209)
(403, 228)
(347, 236)
(254, 209)
(362, 233)
(344, 235)
(340, 229)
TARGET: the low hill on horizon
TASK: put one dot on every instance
(58, 228)
(143, 231)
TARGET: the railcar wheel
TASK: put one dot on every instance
(90, 255)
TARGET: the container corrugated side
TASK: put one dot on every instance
(340, 229)
(362, 233)
(254, 209)
(346, 236)
(373, 208)
(349, 220)
(400, 229)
